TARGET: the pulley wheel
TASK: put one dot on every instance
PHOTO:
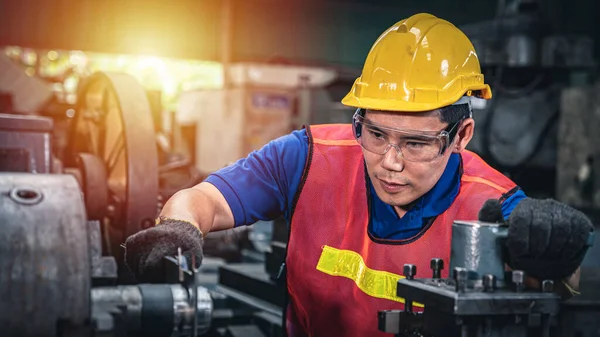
(93, 183)
(113, 122)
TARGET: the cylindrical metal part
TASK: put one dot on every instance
(410, 270)
(157, 310)
(44, 255)
(460, 278)
(489, 283)
(129, 297)
(437, 265)
(184, 318)
(477, 246)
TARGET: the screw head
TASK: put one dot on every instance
(518, 276)
(410, 270)
(437, 264)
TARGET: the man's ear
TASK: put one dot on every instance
(464, 135)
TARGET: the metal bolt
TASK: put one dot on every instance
(410, 270)
(460, 277)
(547, 286)
(518, 278)
(436, 266)
(489, 283)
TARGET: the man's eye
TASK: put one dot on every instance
(376, 134)
(415, 144)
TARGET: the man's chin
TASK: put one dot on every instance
(394, 199)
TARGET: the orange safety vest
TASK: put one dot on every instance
(338, 278)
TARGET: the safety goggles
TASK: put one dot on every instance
(415, 146)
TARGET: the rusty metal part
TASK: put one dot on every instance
(114, 122)
(44, 255)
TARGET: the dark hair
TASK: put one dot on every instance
(449, 114)
(453, 113)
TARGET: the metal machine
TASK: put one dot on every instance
(62, 219)
(480, 298)
(65, 212)
(52, 272)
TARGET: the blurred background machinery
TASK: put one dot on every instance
(107, 109)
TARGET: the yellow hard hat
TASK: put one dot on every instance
(421, 63)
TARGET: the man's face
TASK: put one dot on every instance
(399, 182)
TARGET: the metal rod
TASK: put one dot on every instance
(194, 297)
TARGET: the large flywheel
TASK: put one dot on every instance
(113, 122)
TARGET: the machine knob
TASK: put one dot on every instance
(410, 270)
(518, 278)
(460, 277)
(489, 283)
(436, 266)
(548, 286)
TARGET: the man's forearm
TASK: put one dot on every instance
(183, 205)
(202, 205)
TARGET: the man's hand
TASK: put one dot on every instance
(547, 239)
(145, 250)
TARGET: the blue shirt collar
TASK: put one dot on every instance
(386, 224)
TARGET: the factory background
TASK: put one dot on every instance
(224, 77)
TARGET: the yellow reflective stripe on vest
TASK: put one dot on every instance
(349, 264)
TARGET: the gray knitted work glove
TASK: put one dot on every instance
(145, 250)
(547, 239)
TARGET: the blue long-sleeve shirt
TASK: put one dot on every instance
(262, 186)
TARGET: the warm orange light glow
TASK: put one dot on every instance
(170, 76)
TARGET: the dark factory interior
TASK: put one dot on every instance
(264, 168)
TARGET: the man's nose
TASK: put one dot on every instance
(392, 159)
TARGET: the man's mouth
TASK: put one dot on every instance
(391, 187)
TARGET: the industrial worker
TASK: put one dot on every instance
(361, 200)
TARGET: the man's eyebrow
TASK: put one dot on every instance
(385, 131)
(368, 121)
(373, 127)
(418, 137)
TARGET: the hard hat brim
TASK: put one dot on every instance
(368, 103)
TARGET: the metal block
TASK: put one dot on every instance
(442, 296)
(389, 321)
